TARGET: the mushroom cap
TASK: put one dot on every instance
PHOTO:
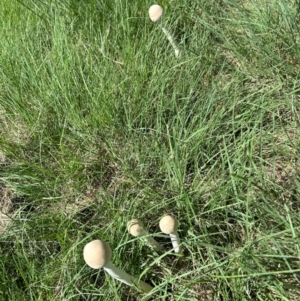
(155, 12)
(97, 254)
(168, 224)
(135, 227)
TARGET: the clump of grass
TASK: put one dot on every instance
(99, 124)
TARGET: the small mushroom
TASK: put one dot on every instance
(97, 254)
(169, 225)
(155, 14)
(136, 228)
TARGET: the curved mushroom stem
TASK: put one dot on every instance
(153, 243)
(171, 40)
(118, 274)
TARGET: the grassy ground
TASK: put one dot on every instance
(101, 123)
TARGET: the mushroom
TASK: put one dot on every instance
(136, 228)
(169, 225)
(156, 13)
(97, 254)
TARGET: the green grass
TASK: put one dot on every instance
(101, 123)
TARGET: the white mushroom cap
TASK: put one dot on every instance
(155, 12)
(135, 227)
(97, 254)
(168, 224)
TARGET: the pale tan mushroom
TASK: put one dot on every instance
(155, 14)
(97, 254)
(169, 225)
(136, 228)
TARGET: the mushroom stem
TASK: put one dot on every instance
(155, 14)
(152, 242)
(175, 242)
(118, 274)
(171, 40)
(169, 225)
(97, 254)
(136, 228)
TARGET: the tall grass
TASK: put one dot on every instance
(101, 123)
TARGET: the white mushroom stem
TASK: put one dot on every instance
(97, 254)
(152, 242)
(169, 225)
(136, 228)
(175, 242)
(171, 40)
(155, 14)
(118, 274)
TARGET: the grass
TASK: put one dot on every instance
(100, 123)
